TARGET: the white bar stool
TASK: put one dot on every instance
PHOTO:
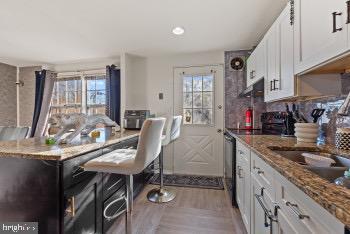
(162, 195)
(130, 161)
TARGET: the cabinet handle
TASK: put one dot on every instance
(116, 214)
(268, 213)
(252, 74)
(258, 170)
(335, 29)
(240, 151)
(295, 210)
(348, 10)
(271, 85)
(274, 85)
(239, 172)
(71, 207)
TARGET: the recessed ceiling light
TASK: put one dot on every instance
(178, 30)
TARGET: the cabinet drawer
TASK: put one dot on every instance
(262, 207)
(243, 154)
(111, 183)
(304, 214)
(73, 173)
(113, 209)
(263, 173)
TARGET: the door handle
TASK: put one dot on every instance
(335, 14)
(219, 107)
(219, 130)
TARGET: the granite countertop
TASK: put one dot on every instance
(35, 148)
(333, 198)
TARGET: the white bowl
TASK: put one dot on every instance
(306, 135)
(306, 130)
(317, 160)
(306, 140)
(306, 125)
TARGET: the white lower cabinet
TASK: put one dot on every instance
(243, 183)
(269, 203)
(302, 213)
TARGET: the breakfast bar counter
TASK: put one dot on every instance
(35, 148)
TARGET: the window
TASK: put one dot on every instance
(79, 94)
(96, 94)
(198, 99)
(67, 96)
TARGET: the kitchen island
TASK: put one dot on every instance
(45, 184)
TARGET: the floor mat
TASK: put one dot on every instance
(193, 181)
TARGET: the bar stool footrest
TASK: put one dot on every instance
(161, 195)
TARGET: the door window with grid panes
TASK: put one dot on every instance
(198, 99)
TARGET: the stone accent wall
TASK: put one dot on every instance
(8, 103)
(27, 94)
(236, 106)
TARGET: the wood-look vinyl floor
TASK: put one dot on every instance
(195, 211)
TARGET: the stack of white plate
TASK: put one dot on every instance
(306, 132)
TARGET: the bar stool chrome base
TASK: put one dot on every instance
(161, 195)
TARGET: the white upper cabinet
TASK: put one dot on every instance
(279, 80)
(320, 32)
(285, 53)
(256, 67)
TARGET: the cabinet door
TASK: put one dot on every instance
(87, 207)
(315, 41)
(246, 196)
(284, 225)
(260, 224)
(261, 61)
(272, 76)
(286, 84)
(251, 68)
(239, 186)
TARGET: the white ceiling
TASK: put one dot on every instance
(61, 31)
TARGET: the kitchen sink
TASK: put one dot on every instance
(327, 173)
(296, 156)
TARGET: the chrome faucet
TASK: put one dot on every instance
(344, 110)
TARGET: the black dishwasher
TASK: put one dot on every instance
(230, 166)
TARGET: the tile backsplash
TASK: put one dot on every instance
(236, 106)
